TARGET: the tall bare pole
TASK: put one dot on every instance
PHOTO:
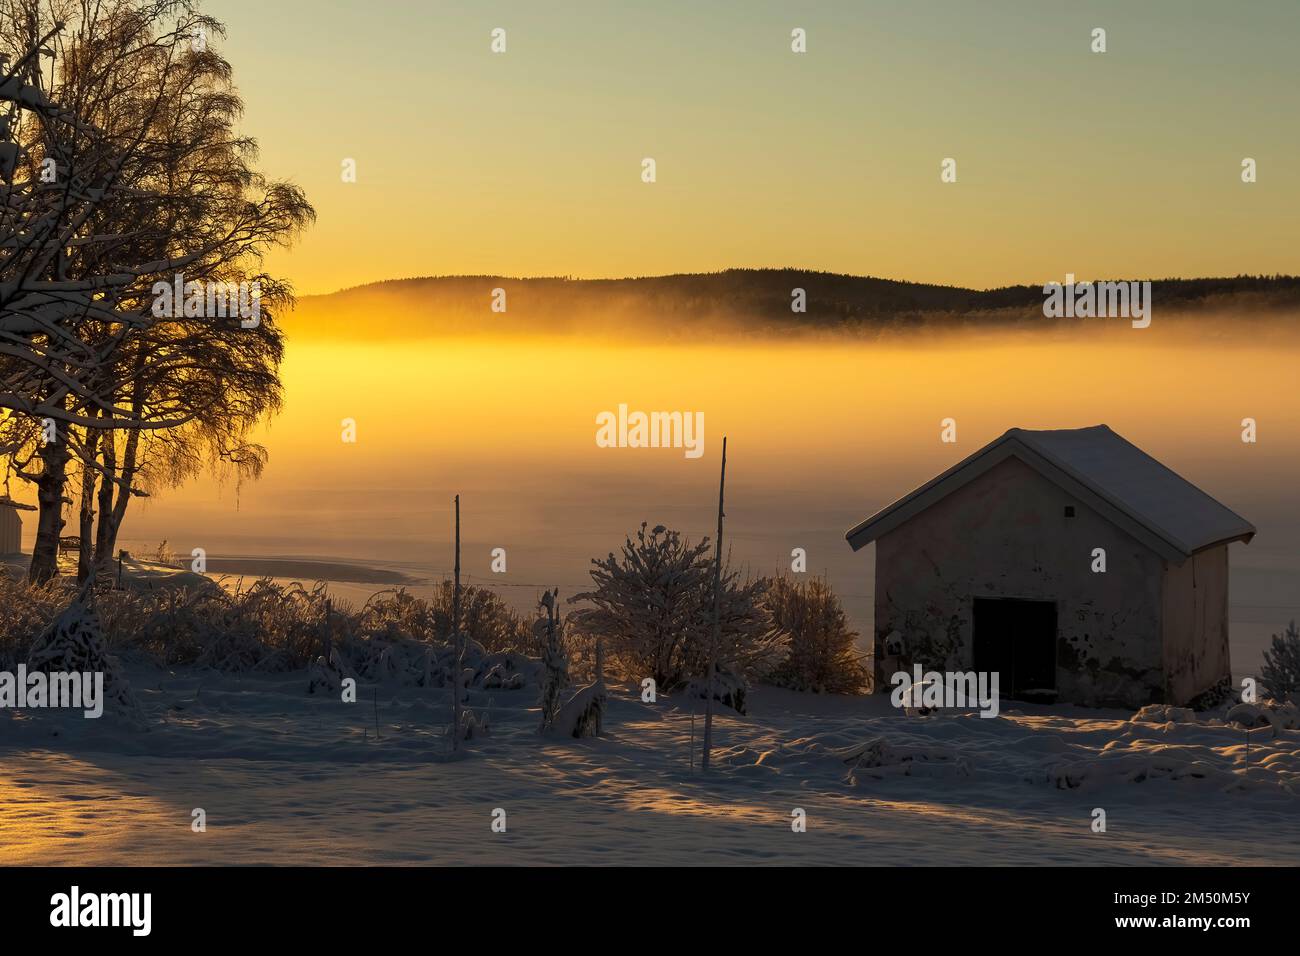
(717, 619)
(456, 663)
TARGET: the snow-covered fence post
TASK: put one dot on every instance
(717, 626)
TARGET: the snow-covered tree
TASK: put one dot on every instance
(653, 605)
(121, 172)
(555, 660)
(823, 655)
(1281, 672)
(646, 603)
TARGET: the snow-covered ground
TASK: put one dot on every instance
(285, 777)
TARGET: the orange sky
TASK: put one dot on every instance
(1123, 163)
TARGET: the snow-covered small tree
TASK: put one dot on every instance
(556, 662)
(749, 646)
(653, 605)
(823, 654)
(1281, 672)
(647, 602)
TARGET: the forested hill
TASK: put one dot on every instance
(737, 297)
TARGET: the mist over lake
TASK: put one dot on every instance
(822, 431)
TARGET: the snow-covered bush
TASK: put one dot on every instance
(266, 626)
(823, 656)
(1281, 672)
(584, 713)
(653, 606)
(274, 627)
(555, 677)
(485, 619)
(164, 555)
(26, 610)
(729, 689)
(1278, 714)
(646, 604)
(73, 643)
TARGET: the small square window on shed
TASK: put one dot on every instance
(1069, 511)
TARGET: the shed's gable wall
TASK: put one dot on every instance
(11, 531)
(1194, 622)
(1006, 535)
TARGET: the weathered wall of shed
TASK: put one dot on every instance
(1195, 627)
(11, 531)
(1006, 535)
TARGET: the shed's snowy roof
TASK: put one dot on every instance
(1113, 476)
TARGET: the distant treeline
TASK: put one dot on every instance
(763, 297)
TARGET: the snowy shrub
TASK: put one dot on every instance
(646, 604)
(266, 626)
(584, 713)
(729, 689)
(164, 555)
(485, 619)
(73, 643)
(1278, 714)
(653, 605)
(823, 656)
(327, 676)
(26, 610)
(749, 647)
(396, 659)
(554, 659)
(1281, 672)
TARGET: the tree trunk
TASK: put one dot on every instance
(49, 496)
(123, 492)
(110, 522)
(108, 458)
(86, 529)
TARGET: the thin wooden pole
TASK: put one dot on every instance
(717, 620)
(692, 750)
(456, 663)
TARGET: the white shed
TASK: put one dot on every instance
(992, 566)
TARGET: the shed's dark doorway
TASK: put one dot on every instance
(1018, 640)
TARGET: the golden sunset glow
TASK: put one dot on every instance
(647, 433)
(1125, 164)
